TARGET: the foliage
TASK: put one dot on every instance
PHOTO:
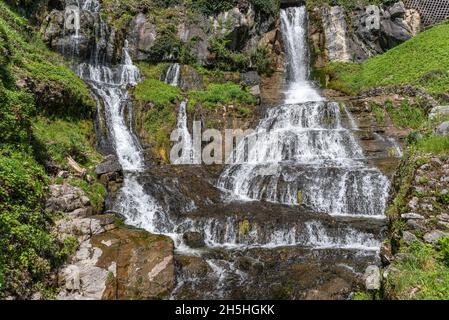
(405, 116)
(29, 59)
(28, 252)
(225, 58)
(221, 95)
(212, 7)
(422, 61)
(261, 61)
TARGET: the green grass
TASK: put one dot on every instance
(96, 192)
(422, 274)
(422, 61)
(156, 92)
(77, 140)
(405, 115)
(217, 95)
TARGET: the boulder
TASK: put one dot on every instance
(66, 198)
(442, 129)
(142, 37)
(409, 237)
(250, 78)
(397, 10)
(336, 32)
(109, 165)
(434, 236)
(372, 278)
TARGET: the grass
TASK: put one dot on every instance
(405, 115)
(156, 92)
(422, 61)
(217, 95)
(422, 274)
(77, 140)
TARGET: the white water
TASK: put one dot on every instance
(187, 153)
(172, 75)
(301, 151)
(294, 32)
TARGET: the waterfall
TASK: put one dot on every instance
(294, 32)
(187, 153)
(110, 85)
(172, 75)
(301, 154)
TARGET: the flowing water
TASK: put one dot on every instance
(300, 167)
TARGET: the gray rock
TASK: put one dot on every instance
(439, 111)
(142, 37)
(442, 129)
(250, 78)
(109, 164)
(336, 32)
(411, 215)
(255, 91)
(372, 278)
(417, 225)
(397, 10)
(409, 237)
(193, 239)
(65, 198)
(434, 236)
(190, 79)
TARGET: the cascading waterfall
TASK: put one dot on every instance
(301, 154)
(187, 153)
(110, 84)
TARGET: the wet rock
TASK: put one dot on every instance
(110, 164)
(434, 236)
(192, 266)
(372, 278)
(442, 129)
(250, 78)
(193, 239)
(412, 216)
(144, 264)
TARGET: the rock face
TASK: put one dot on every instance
(375, 30)
(336, 32)
(111, 262)
(142, 36)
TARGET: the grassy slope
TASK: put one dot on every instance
(34, 130)
(422, 62)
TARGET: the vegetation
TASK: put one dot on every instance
(422, 273)
(221, 95)
(423, 62)
(34, 83)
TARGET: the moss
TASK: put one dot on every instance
(244, 228)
